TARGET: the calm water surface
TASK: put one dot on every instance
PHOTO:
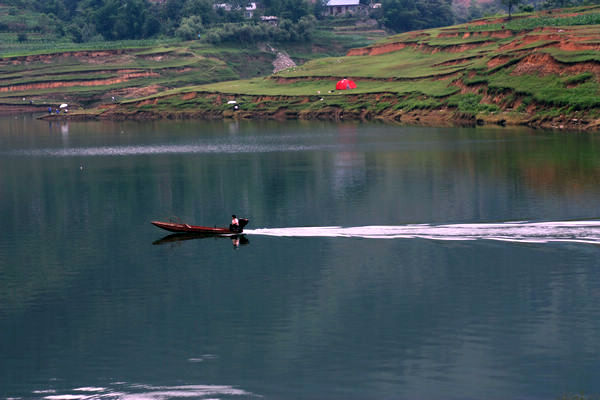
(380, 262)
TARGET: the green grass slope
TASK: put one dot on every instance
(40, 69)
(45, 70)
(91, 75)
(540, 69)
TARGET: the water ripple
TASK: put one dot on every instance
(529, 232)
(146, 392)
(159, 149)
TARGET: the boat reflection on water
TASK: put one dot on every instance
(236, 240)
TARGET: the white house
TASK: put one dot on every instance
(339, 7)
(224, 6)
(270, 19)
(249, 10)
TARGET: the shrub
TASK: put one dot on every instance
(287, 31)
(190, 28)
(577, 79)
(470, 103)
(410, 104)
(526, 8)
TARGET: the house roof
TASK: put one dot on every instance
(333, 3)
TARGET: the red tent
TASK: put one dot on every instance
(345, 84)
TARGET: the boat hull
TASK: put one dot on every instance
(186, 228)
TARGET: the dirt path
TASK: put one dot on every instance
(283, 60)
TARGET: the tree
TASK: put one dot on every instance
(399, 15)
(510, 4)
(203, 8)
(294, 9)
(190, 27)
(406, 15)
(474, 11)
(561, 3)
(121, 19)
(434, 13)
(151, 26)
(319, 7)
(173, 9)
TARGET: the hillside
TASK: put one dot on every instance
(537, 69)
(45, 71)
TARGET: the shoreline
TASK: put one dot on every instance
(443, 117)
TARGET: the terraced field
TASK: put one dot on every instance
(90, 77)
(538, 69)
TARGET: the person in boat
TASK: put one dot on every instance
(235, 224)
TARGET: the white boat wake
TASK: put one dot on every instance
(531, 232)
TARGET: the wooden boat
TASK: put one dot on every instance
(186, 228)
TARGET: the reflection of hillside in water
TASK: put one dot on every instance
(349, 163)
(559, 162)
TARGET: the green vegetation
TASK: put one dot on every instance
(249, 33)
(233, 21)
(573, 57)
(550, 90)
(322, 87)
(417, 102)
(91, 75)
(470, 104)
(577, 79)
(407, 15)
(521, 24)
(49, 65)
(407, 63)
(84, 21)
(519, 76)
(482, 70)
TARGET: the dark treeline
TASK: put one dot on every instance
(228, 20)
(407, 15)
(87, 20)
(474, 9)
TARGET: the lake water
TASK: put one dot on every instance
(380, 262)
